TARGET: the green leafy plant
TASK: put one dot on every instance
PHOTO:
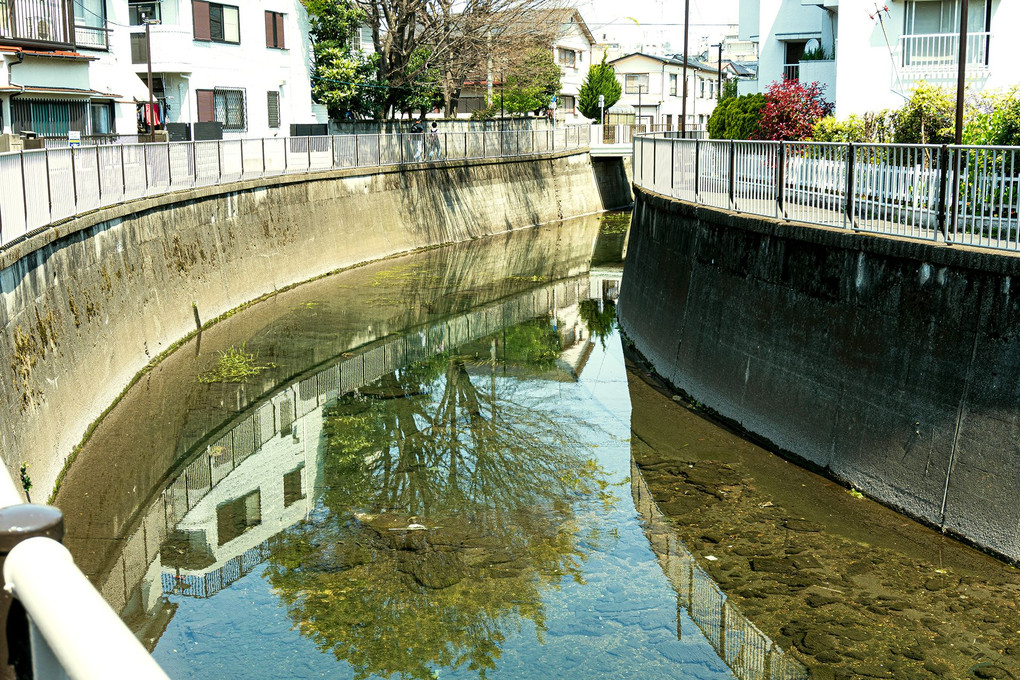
(601, 80)
(26, 481)
(791, 110)
(928, 117)
(234, 365)
(818, 53)
(736, 117)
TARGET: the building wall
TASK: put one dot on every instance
(572, 77)
(658, 102)
(885, 362)
(87, 306)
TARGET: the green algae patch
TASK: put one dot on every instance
(233, 366)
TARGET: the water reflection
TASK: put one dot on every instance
(422, 483)
(449, 508)
(749, 653)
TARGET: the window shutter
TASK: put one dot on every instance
(200, 13)
(206, 106)
(273, 101)
(279, 31)
(270, 26)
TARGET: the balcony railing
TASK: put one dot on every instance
(37, 22)
(791, 71)
(936, 53)
(91, 37)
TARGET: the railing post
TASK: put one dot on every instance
(697, 170)
(263, 156)
(733, 172)
(123, 174)
(169, 168)
(672, 167)
(19, 523)
(24, 187)
(219, 161)
(74, 179)
(655, 147)
(851, 155)
(194, 161)
(400, 143)
(940, 218)
(357, 152)
(240, 145)
(49, 190)
(308, 143)
(99, 176)
(781, 180)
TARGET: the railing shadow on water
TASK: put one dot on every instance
(41, 187)
(952, 194)
(748, 652)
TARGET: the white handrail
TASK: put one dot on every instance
(88, 639)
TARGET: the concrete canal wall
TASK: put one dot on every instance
(891, 364)
(88, 304)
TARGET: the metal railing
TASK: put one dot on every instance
(48, 22)
(957, 194)
(940, 52)
(625, 134)
(54, 623)
(40, 187)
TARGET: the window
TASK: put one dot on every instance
(566, 102)
(274, 30)
(90, 24)
(365, 35)
(701, 83)
(235, 517)
(226, 106)
(566, 57)
(102, 118)
(927, 17)
(292, 491)
(138, 12)
(273, 105)
(49, 118)
(636, 83)
(139, 54)
(215, 22)
(672, 84)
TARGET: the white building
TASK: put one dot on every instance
(872, 57)
(653, 90)
(83, 66)
(572, 49)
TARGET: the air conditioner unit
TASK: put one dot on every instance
(41, 28)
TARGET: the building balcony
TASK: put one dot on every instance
(173, 49)
(937, 55)
(37, 23)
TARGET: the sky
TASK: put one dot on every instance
(658, 21)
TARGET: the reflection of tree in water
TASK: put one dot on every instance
(449, 507)
(600, 322)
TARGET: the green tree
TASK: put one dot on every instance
(994, 119)
(729, 89)
(343, 78)
(601, 80)
(451, 507)
(736, 117)
(422, 89)
(532, 83)
(928, 117)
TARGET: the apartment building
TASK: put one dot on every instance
(653, 90)
(81, 65)
(871, 56)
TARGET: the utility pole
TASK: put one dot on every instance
(718, 87)
(683, 107)
(148, 66)
(961, 74)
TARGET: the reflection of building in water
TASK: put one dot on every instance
(258, 475)
(749, 653)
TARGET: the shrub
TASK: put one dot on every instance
(792, 109)
(736, 117)
(870, 127)
(994, 119)
(928, 117)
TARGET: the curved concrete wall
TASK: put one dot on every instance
(88, 304)
(891, 364)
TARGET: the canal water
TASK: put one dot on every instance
(451, 465)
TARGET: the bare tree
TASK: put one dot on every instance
(476, 38)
